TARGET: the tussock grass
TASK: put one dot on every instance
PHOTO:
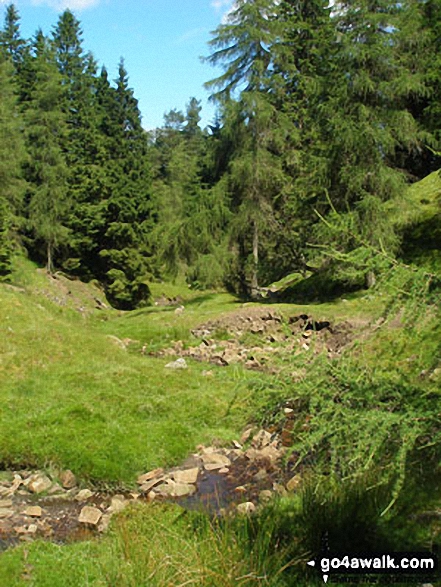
(158, 546)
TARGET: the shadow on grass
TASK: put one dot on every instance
(318, 288)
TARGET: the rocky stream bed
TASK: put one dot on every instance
(239, 478)
(34, 504)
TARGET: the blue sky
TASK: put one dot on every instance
(161, 41)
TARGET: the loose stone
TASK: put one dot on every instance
(90, 515)
(246, 508)
(117, 504)
(186, 475)
(178, 364)
(38, 483)
(33, 511)
(150, 475)
(84, 495)
(5, 513)
(293, 483)
(265, 496)
(68, 479)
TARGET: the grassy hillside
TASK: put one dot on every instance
(419, 219)
(73, 395)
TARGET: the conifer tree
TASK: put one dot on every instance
(10, 37)
(5, 241)
(303, 56)
(12, 156)
(431, 53)
(126, 211)
(242, 46)
(84, 146)
(47, 170)
(418, 48)
(367, 119)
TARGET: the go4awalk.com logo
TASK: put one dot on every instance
(414, 565)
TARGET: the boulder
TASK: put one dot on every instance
(260, 475)
(230, 357)
(20, 530)
(117, 341)
(56, 489)
(182, 490)
(5, 513)
(146, 487)
(173, 489)
(240, 489)
(280, 489)
(261, 439)
(15, 484)
(104, 523)
(293, 483)
(118, 504)
(32, 529)
(271, 453)
(246, 435)
(265, 496)
(215, 461)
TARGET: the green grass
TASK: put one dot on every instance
(73, 398)
(418, 218)
(157, 327)
(153, 546)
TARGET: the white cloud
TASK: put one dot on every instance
(224, 6)
(64, 4)
(219, 4)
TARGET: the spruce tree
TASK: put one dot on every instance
(84, 147)
(47, 169)
(10, 37)
(126, 211)
(431, 22)
(12, 157)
